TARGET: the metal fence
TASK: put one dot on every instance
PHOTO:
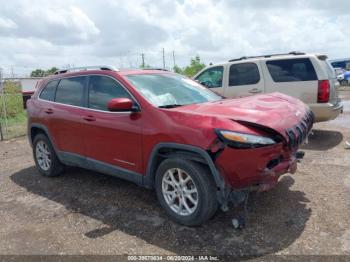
(13, 118)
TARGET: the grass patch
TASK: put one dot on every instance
(13, 117)
(14, 126)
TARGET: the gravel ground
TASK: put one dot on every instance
(87, 213)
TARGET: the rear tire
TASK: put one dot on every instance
(186, 190)
(45, 157)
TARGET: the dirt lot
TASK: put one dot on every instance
(87, 213)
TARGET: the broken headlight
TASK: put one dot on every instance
(242, 140)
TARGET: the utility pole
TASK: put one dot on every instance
(163, 59)
(174, 59)
(143, 60)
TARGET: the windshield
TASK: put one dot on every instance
(171, 90)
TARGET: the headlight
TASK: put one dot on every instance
(241, 140)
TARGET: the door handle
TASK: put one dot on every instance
(255, 90)
(49, 111)
(89, 118)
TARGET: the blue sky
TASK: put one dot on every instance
(41, 34)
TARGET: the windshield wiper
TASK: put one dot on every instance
(170, 106)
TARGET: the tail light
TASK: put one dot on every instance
(323, 91)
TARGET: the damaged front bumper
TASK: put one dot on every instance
(258, 170)
(271, 176)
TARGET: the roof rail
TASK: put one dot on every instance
(85, 68)
(266, 56)
(154, 68)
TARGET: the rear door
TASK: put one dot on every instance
(67, 125)
(212, 78)
(292, 76)
(244, 79)
(47, 98)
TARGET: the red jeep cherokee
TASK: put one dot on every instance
(165, 131)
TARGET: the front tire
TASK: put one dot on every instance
(186, 191)
(45, 157)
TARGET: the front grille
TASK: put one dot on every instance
(298, 133)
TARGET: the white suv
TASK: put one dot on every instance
(308, 77)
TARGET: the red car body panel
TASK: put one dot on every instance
(66, 126)
(115, 139)
(127, 140)
(276, 111)
(252, 161)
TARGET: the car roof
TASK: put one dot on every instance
(291, 55)
(244, 59)
(104, 71)
(126, 72)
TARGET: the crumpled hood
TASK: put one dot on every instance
(275, 110)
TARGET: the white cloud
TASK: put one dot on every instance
(54, 33)
(83, 23)
(6, 23)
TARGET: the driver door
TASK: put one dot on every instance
(212, 78)
(112, 138)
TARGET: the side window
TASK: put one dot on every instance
(244, 74)
(102, 89)
(70, 91)
(211, 77)
(49, 91)
(291, 70)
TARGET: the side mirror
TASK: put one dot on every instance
(121, 105)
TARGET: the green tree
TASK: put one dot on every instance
(41, 72)
(178, 70)
(194, 67)
(51, 71)
(145, 66)
(37, 73)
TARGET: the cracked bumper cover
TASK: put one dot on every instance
(249, 168)
(270, 176)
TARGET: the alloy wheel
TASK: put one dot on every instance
(180, 191)
(43, 155)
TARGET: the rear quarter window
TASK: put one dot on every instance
(291, 70)
(48, 92)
